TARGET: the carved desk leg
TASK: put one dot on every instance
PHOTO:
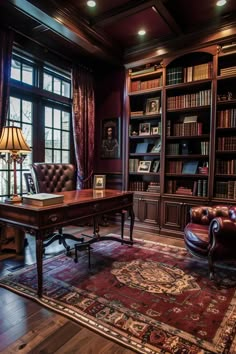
(132, 216)
(39, 260)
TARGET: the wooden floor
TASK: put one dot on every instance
(26, 327)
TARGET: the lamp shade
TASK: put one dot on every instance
(12, 140)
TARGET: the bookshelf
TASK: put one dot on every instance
(145, 126)
(225, 141)
(194, 134)
(188, 121)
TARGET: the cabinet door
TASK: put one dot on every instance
(172, 215)
(146, 209)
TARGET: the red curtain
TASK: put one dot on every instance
(83, 125)
(6, 43)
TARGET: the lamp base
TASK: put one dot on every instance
(14, 199)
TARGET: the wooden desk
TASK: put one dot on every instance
(40, 221)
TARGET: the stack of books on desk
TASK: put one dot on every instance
(42, 199)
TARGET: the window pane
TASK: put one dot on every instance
(15, 69)
(65, 89)
(48, 117)
(65, 140)
(14, 109)
(57, 119)
(47, 82)
(57, 139)
(65, 157)
(4, 182)
(48, 138)
(57, 156)
(27, 74)
(57, 86)
(27, 111)
(65, 118)
(27, 133)
(48, 155)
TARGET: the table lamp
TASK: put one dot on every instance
(13, 142)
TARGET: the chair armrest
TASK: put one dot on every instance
(223, 230)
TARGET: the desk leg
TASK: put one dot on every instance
(39, 260)
(132, 216)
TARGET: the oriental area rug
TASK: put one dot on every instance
(149, 297)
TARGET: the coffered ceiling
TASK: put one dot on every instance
(109, 31)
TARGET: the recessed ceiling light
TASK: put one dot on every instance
(91, 3)
(221, 2)
(141, 32)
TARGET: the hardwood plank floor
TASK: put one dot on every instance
(27, 327)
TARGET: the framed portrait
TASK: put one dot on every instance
(144, 166)
(155, 166)
(152, 106)
(110, 138)
(99, 182)
(144, 128)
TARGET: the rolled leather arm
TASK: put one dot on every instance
(222, 230)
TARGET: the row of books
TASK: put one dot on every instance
(142, 71)
(140, 85)
(198, 188)
(183, 149)
(133, 165)
(186, 129)
(225, 189)
(227, 167)
(225, 143)
(136, 113)
(226, 118)
(153, 187)
(228, 71)
(181, 74)
(180, 167)
(139, 186)
(201, 98)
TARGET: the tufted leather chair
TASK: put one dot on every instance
(211, 233)
(53, 178)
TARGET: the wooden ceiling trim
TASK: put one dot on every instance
(167, 17)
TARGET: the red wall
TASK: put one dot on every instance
(109, 87)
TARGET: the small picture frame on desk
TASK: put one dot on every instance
(99, 182)
(144, 166)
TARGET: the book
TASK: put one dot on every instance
(190, 167)
(141, 148)
(42, 199)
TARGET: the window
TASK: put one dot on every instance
(40, 103)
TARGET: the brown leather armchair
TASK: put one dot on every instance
(53, 178)
(211, 234)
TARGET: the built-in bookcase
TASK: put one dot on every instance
(145, 127)
(225, 152)
(188, 121)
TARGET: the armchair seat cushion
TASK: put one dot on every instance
(196, 239)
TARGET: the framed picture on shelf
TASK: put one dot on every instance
(99, 182)
(144, 166)
(157, 147)
(152, 106)
(110, 138)
(154, 130)
(155, 166)
(144, 129)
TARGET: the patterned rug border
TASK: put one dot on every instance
(106, 331)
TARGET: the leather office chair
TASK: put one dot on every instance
(211, 234)
(53, 178)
